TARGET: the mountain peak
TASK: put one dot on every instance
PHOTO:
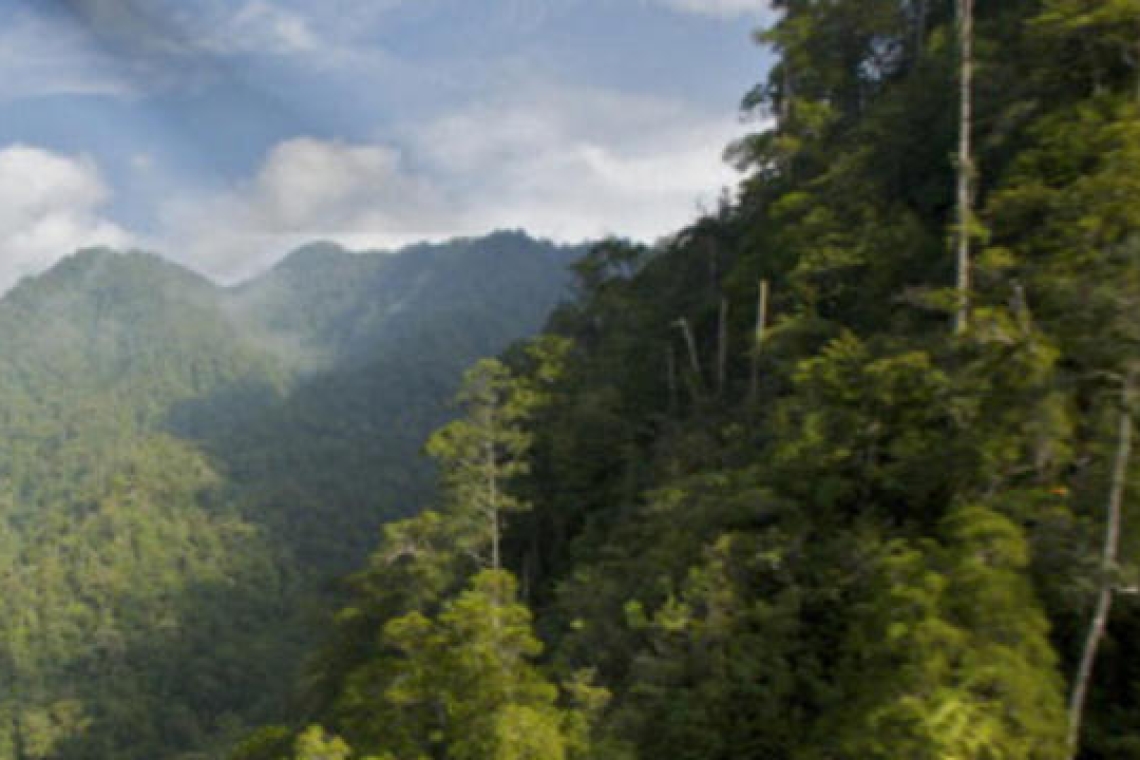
(112, 276)
(310, 256)
(100, 264)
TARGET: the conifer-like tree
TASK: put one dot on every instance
(481, 453)
(965, 159)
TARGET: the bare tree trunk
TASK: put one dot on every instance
(965, 161)
(697, 381)
(722, 347)
(1108, 566)
(671, 379)
(682, 324)
(758, 338)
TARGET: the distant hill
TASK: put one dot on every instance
(355, 308)
(184, 467)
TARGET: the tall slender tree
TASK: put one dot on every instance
(480, 453)
(1109, 557)
(965, 160)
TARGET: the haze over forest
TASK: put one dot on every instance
(788, 413)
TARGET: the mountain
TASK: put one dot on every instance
(355, 308)
(184, 468)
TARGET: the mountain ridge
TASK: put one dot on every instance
(181, 476)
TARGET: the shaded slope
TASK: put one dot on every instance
(183, 467)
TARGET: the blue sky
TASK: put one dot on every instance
(222, 133)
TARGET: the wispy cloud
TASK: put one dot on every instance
(722, 8)
(50, 205)
(38, 58)
(259, 27)
(362, 195)
(166, 29)
(135, 47)
(380, 123)
(572, 166)
(575, 163)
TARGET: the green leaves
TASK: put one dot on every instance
(483, 453)
(1101, 35)
(445, 659)
(462, 681)
(950, 653)
(315, 744)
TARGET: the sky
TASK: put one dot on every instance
(224, 133)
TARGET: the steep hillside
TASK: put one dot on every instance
(791, 484)
(351, 309)
(183, 467)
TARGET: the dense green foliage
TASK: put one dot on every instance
(861, 536)
(668, 527)
(184, 470)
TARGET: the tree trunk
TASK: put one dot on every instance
(758, 338)
(682, 324)
(1108, 566)
(965, 161)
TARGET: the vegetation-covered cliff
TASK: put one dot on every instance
(841, 471)
(184, 469)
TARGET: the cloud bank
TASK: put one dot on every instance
(50, 205)
(234, 130)
(576, 165)
(305, 189)
(564, 163)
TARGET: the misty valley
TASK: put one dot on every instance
(186, 470)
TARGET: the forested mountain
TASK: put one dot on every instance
(184, 469)
(842, 471)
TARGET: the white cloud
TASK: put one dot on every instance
(577, 164)
(49, 206)
(262, 28)
(305, 189)
(722, 8)
(571, 165)
(142, 162)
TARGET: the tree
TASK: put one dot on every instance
(464, 681)
(1109, 555)
(1098, 41)
(1069, 206)
(949, 654)
(480, 453)
(965, 159)
(315, 743)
